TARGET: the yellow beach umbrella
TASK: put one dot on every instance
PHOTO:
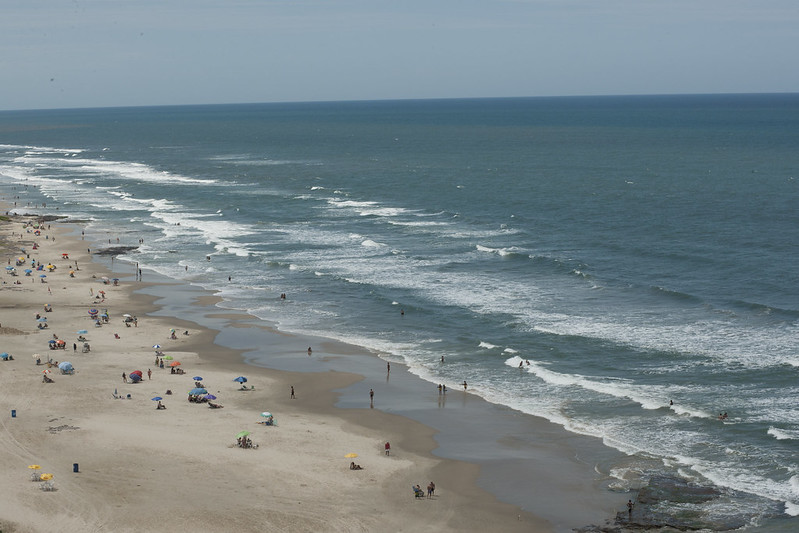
(47, 477)
(351, 455)
(34, 467)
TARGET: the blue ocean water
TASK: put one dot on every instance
(625, 251)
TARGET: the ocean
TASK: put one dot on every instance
(588, 260)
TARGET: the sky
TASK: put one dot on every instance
(101, 53)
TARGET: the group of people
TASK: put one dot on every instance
(431, 490)
(245, 442)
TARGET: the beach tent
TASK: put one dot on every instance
(66, 367)
(135, 376)
(4, 356)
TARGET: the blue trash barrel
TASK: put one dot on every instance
(13, 413)
(75, 467)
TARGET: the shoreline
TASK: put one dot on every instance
(132, 456)
(534, 465)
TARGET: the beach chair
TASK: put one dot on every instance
(417, 492)
(47, 486)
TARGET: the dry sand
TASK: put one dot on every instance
(178, 469)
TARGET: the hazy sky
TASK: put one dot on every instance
(93, 53)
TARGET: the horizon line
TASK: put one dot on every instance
(378, 100)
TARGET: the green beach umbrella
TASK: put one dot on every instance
(241, 434)
(167, 357)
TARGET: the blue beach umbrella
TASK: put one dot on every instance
(156, 399)
(28, 271)
(82, 332)
(42, 275)
(156, 346)
(209, 397)
(43, 319)
(241, 379)
(196, 391)
(197, 378)
(9, 267)
(3, 356)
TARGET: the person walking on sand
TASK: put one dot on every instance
(388, 448)
(464, 384)
(630, 509)
(124, 377)
(371, 396)
(292, 392)
(149, 374)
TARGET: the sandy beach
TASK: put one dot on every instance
(177, 469)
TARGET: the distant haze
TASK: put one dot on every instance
(98, 53)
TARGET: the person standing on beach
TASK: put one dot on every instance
(124, 377)
(372, 396)
(388, 366)
(309, 351)
(630, 509)
(464, 384)
(149, 374)
(388, 448)
(292, 392)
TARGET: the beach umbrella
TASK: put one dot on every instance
(92, 311)
(50, 342)
(168, 357)
(174, 363)
(42, 276)
(9, 268)
(266, 414)
(65, 366)
(46, 477)
(34, 467)
(136, 372)
(135, 378)
(43, 319)
(197, 378)
(241, 434)
(241, 379)
(61, 342)
(82, 332)
(46, 371)
(36, 356)
(196, 391)
(156, 399)
(351, 455)
(209, 397)
(28, 270)
(3, 356)
(156, 346)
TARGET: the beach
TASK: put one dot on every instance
(120, 464)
